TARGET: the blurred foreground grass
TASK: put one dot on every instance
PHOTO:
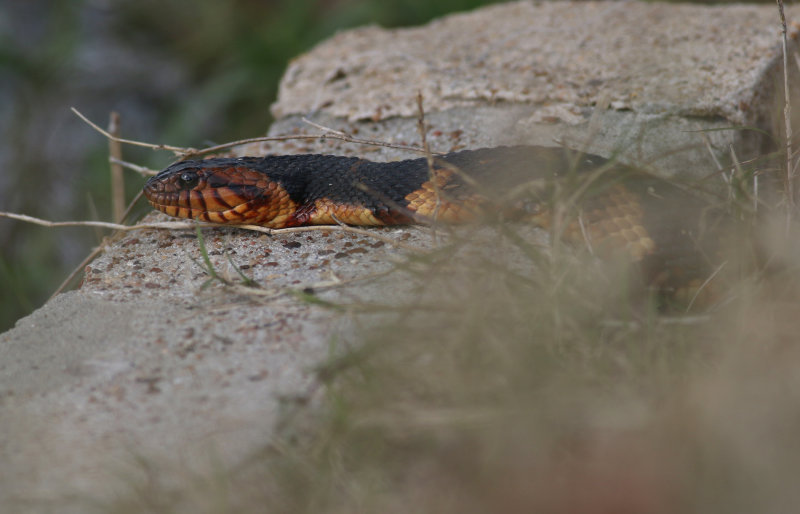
(515, 380)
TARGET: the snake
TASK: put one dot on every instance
(615, 210)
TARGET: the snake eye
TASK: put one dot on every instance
(189, 179)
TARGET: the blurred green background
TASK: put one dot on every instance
(178, 72)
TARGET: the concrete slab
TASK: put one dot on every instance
(143, 362)
(637, 79)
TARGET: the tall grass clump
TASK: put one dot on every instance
(506, 388)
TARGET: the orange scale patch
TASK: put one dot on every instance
(213, 204)
(613, 211)
(273, 210)
(627, 222)
(242, 208)
(216, 217)
(432, 203)
(574, 234)
(641, 232)
(629, 235)
(641, 248)
(609, 226)
(277, 215)
(593, 216)
(229, 198)
(324, 211)
(632, 210)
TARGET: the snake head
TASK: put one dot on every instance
(219, 191)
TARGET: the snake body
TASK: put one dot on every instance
(617, 209)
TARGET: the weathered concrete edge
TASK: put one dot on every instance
(632, 138)
(656, 134)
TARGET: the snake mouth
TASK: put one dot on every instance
(195, 190)
(242, 213)
(212, 204)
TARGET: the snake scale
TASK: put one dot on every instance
(618, 210)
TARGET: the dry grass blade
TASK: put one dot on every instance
(375, 235)
(186, 152)
(787, 116)
(141, 170)
(337, 134)
(422, 129)
(89, 258)
(176, 149)
(117, 181)
(187, 225)
(170, 225)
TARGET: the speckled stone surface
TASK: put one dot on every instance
(649, 83)
(143, 363)
(646, 57)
